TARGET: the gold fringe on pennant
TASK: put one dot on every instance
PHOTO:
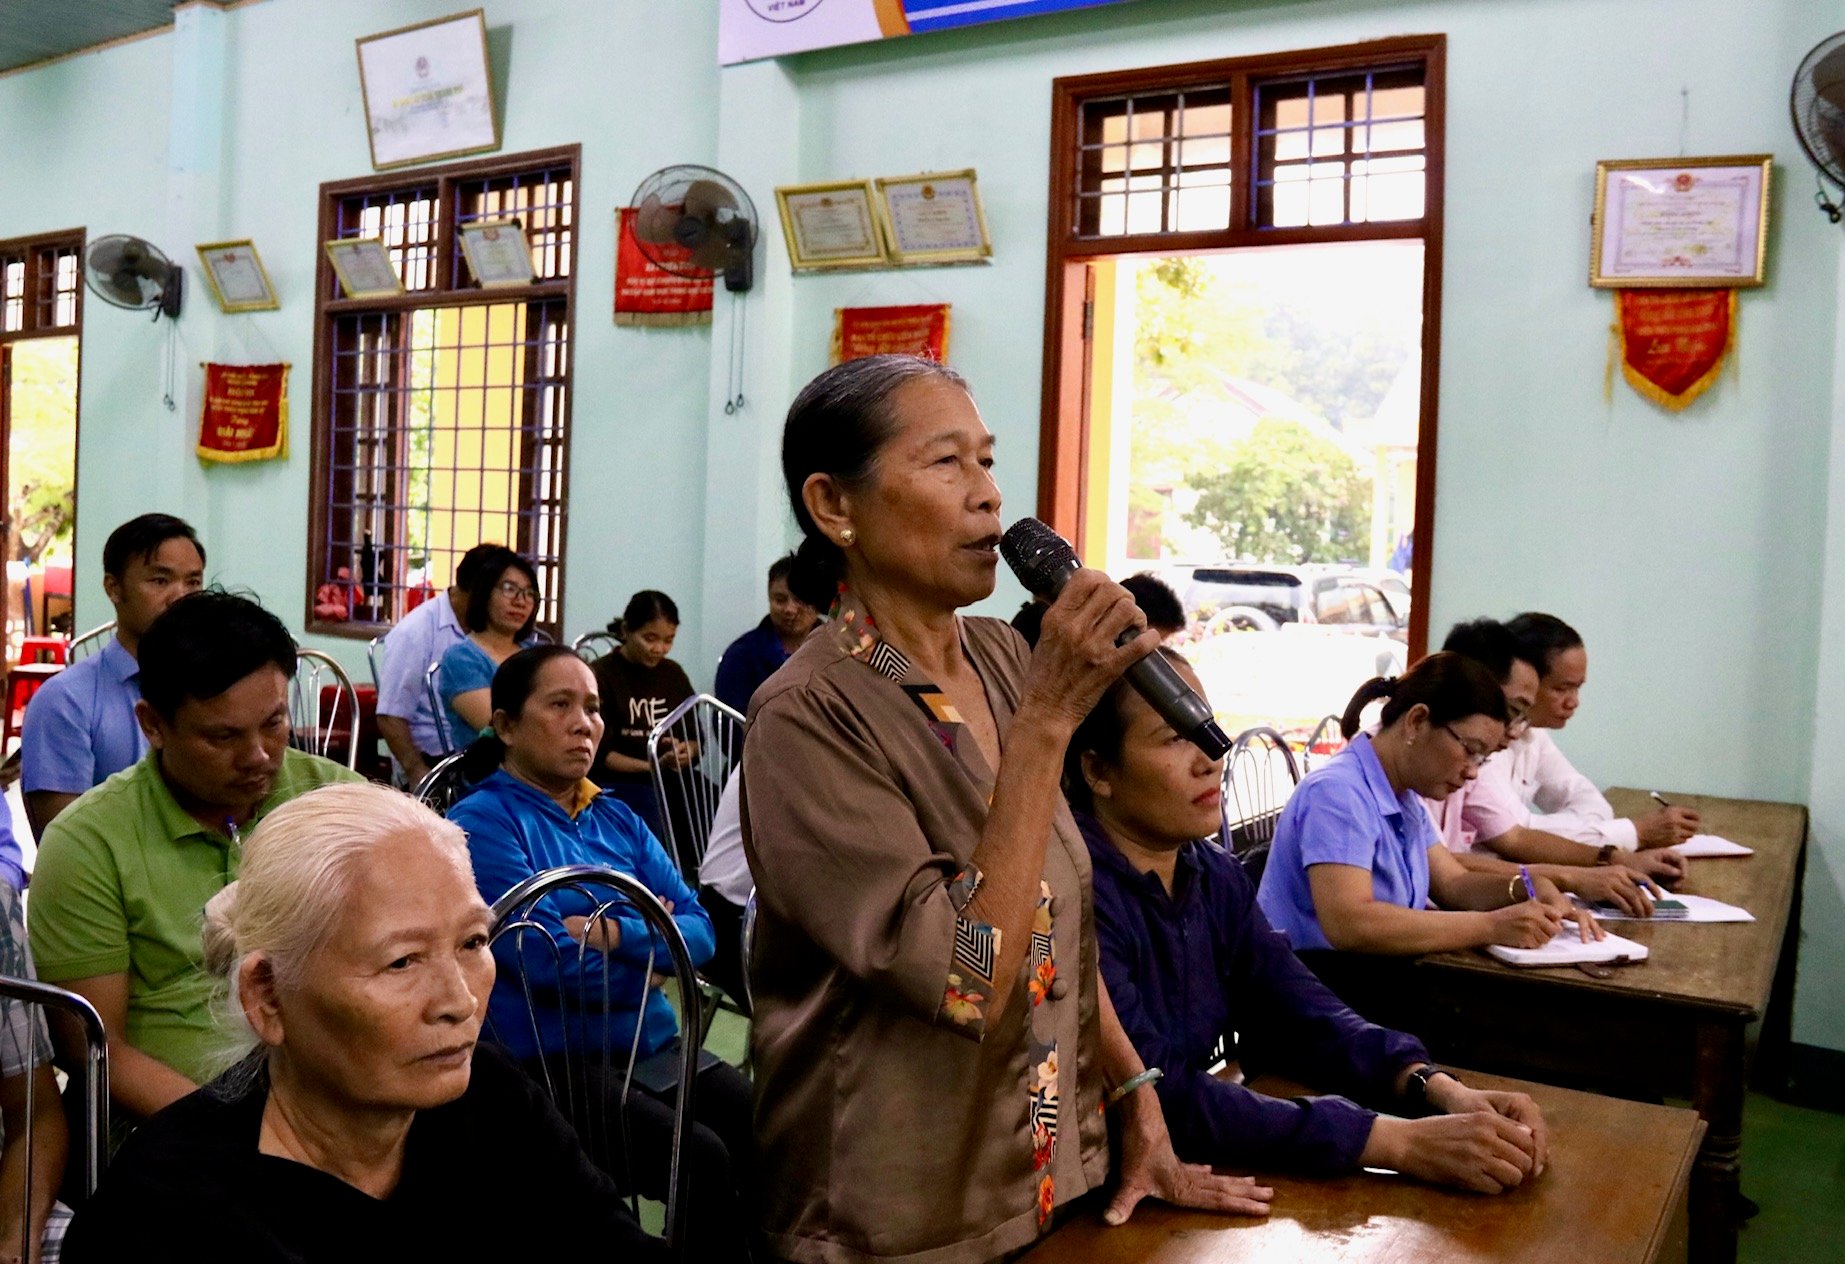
(1648, 390)
(664, 318)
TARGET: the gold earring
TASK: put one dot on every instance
(847, 538)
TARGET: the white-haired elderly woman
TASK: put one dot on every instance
(365, 1121)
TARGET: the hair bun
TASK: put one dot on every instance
(216, 935)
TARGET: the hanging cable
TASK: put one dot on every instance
(733, 392)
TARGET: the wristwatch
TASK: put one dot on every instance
(1416, 1089)
(1606, 855)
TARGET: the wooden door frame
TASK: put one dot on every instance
(1062, 473)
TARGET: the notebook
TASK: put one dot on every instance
(1567, 949)
(1704, 846)
(1698, 908)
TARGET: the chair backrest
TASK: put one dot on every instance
(594, 645)
(749, 945)
(1324, 742)
(557, 977)
(89, 642)
(443, 786)
(93, 1074)
(689, 793)
(432, 685)
(323, 707)
(374, 651)
(1259, 775)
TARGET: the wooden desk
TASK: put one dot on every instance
(1615, 1192)
(1673, 1025)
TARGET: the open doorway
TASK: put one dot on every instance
(1253, 425)
(41, 292)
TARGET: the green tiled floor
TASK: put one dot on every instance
(1794, 1166)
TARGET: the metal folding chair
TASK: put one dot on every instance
(749, 945)
(1259, 775)
(594, 645)
(373, 648)
(323, 724)
(89, 642)
(552, 974)
(1323, 743)
(92, 1076)
(443, 786)
(432, 686)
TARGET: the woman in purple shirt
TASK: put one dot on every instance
(1194, 967)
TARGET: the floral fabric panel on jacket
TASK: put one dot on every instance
(1043, 962)
(970, 976)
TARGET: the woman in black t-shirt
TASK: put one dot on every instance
(639, 686)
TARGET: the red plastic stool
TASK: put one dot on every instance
(21, 683)
(43, 649)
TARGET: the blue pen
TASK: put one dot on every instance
(1524, 876)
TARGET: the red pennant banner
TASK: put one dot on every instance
(920, 329)
(1673, 341)
(646, 293)
(245, 414)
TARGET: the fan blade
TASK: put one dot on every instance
(1828, 78)
(714, 253)
(122, 286)
(706, 198)
(654, 220)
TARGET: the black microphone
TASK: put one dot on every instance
(1044, 562)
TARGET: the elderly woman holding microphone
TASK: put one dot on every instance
(932, 1042)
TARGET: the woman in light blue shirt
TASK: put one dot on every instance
(1357, 863)
(502, 607)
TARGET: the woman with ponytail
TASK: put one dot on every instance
(932, 1044)
(362, 1119)
(534, 810)
(1357, 866)
(640, 686)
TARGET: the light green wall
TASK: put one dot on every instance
(1698, 553)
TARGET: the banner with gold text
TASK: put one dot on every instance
(749, 29)
(245, 413)
(646, 293)
(1673, 342)
(920, 329)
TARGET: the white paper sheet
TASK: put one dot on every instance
(1698, 908)
(1567, 949)
(1704, 846)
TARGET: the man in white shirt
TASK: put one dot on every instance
(405, 721)
(1563, 801)
(1491, 830)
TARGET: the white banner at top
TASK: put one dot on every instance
(752, 29)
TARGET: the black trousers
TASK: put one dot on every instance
(726, 965)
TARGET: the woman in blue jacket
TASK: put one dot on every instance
(538, 811)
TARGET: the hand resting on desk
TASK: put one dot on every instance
(1487, 1140)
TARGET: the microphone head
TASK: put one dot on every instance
(1042, 559)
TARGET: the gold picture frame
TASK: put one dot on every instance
(497, 253)
(236, 276)
(1681, 222)
(363, 266)
(831, 226)
(427, 90)
(934, 217)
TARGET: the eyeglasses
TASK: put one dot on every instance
(1475, 756)
(515, 592)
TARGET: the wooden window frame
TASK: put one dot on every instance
(1063, 457)
(445, 244)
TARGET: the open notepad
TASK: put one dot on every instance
(1697, 908)
(1704, 846)
(1567, 949)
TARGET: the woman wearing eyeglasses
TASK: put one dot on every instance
(1357, 868)
(502, 607)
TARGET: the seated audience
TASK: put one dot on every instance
(640, 686)
(124, 871)
(1193, 966)
(1165, 612)
(538, 812)
(1562, 800)
(754, 657)
(724, 886)
(366, 1122)
(405, 721)
(80, 729)
(502, 609)
(30, 1229)
(1357, 867)
(1483, 822)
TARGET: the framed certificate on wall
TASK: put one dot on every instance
(1697, 222)
(427, 91)
(496, 252)
(237, 277)
(364, 267)
(830, 226)
(934, 217)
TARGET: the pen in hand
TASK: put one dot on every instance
(1658, 798)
